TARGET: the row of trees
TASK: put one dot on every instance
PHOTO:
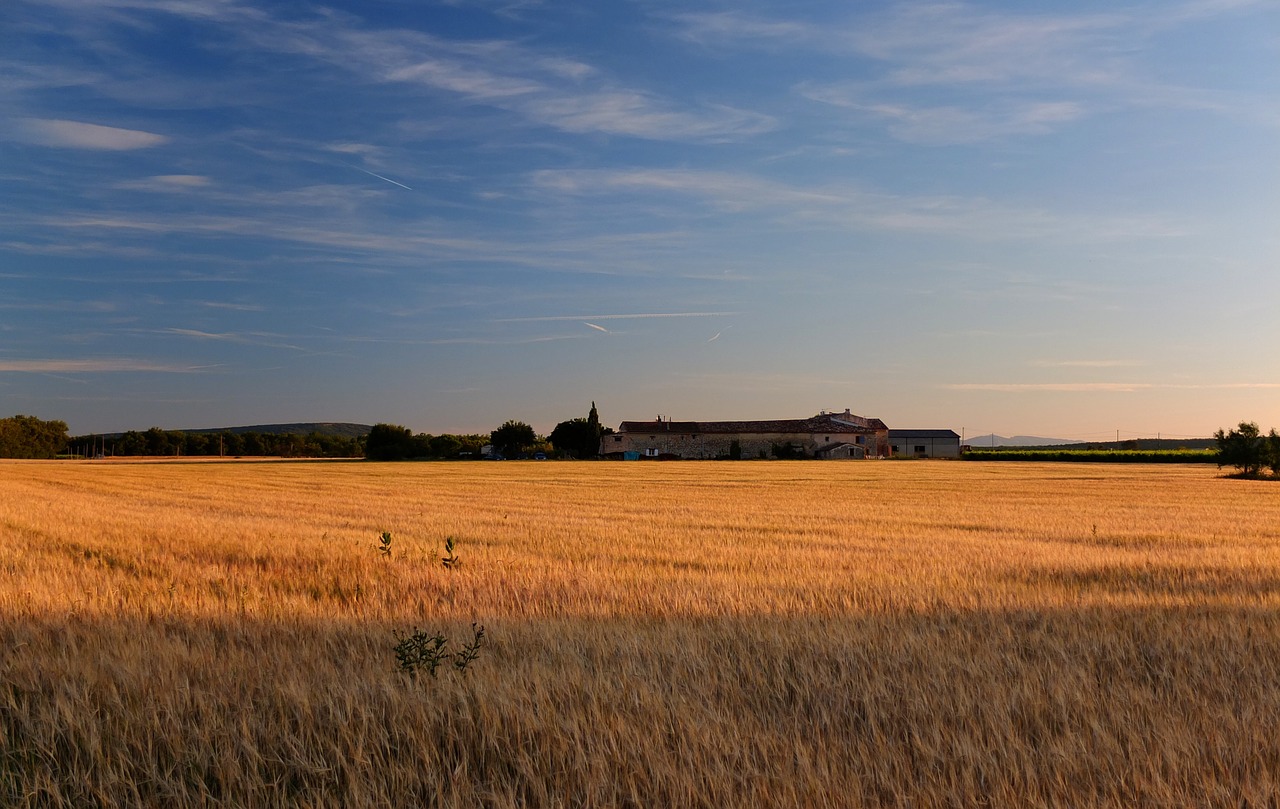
(575, 438)
(29, 437)
(157, 442)
(391, 442)
(1248, 450)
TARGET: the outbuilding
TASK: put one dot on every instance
(925, 443)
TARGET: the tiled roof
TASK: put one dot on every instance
(817, 424)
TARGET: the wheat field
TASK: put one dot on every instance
(911, 634)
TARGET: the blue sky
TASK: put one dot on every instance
(1049, 218)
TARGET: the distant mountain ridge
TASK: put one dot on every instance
(342, 428)
(1035, 442)
(989, 440)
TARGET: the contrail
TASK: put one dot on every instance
(614, 317)
(380, 177)
(713, 339)
(597, 328)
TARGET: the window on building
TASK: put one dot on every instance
(862, 439)
(919, 447)
(617, 438)
(894, 448)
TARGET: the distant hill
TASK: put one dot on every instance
(339, 428)
(990, 440)
(1035, 442)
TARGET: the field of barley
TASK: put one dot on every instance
(917, 634)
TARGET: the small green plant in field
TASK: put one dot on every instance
(470, 651)
(421, 650)
(384, 546)
(450, 559)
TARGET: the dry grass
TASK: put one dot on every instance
(791, 634)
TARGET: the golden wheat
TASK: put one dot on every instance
(713, 634)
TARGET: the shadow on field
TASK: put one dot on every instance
(1096, 706)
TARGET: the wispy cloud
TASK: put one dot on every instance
(847, 205)
(235, 307)
(93, 366)
(1104, 387)
(640, 316)
(952, 123)
(166, 182)
(1011, 73)
(551, 90)
(249, 338)
(489, 341)
(81, 135)
(763, 382)
(1084, 363)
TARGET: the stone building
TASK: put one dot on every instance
(826, 435)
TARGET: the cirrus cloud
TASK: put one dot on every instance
(80, 135)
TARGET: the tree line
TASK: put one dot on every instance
(30, 437)
(156, 442)
(574, 438)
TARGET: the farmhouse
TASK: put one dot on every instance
(925, 443)
(826, 435)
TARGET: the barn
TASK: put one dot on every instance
(925, 443)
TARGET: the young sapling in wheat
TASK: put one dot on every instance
(450, 559)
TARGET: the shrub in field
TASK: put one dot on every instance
(421, 650)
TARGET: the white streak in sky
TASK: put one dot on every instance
(597, 328)
(91, 366)
(380, 177)
(585, 318)
(713, 339)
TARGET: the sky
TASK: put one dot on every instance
(1048, 218)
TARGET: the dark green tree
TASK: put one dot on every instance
(30, 437)
(1273, 451)
(513, 438)
(593, 421)
(444, 446)
(579, 437)
(576, 437)
(1243, 448)
(388, 442)
(157, 442)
